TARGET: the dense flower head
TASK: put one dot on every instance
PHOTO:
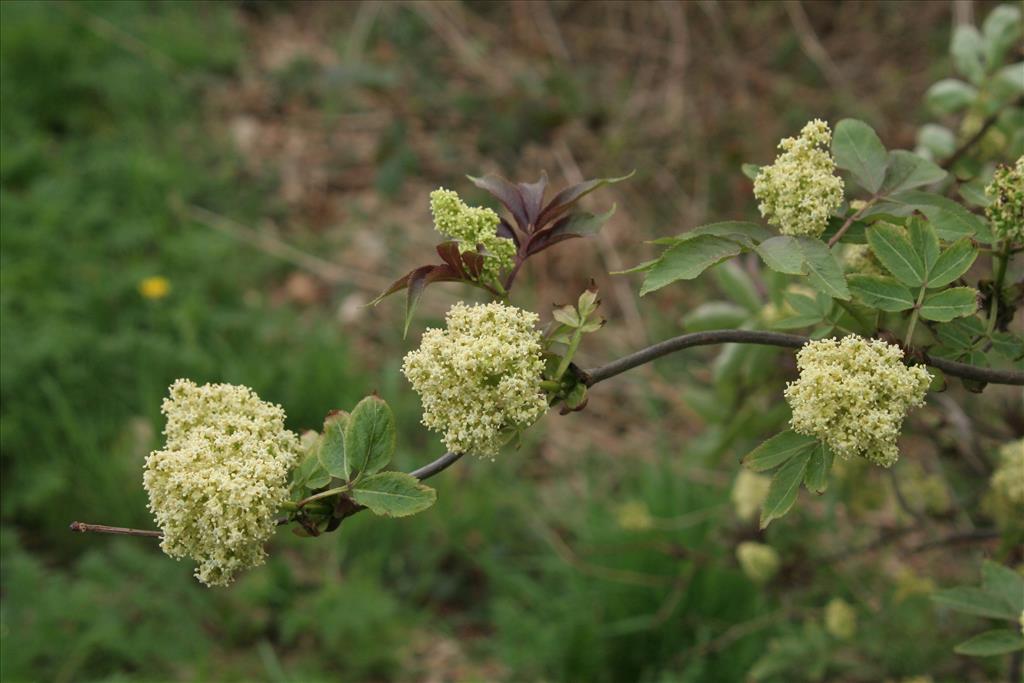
(800, 190)
(216, 486)
(758, 561)
(853, 394)
(471, 226)
(479, 379)
(1008, 479)
(748, 493)
(1006, 208)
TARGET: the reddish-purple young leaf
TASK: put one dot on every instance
(450, 254)
(473, 264)
(576, 224)
(533, 198)
(418, 281)
(564, 200)
(506, 230)
(506, 193)
(548, 240)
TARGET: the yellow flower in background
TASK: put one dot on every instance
(634, 516)
(155, 287)
(758, 561)
(840, 619)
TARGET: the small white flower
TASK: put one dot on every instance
(217, 485)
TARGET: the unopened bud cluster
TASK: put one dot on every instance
(479, 379)
(799, 192)
(216, 486)
(1006, 208)
(853, 394)
(470, 227)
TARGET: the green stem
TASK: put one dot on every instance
(1001, 261)
(569, 353)
(913, 317)
(323, 494)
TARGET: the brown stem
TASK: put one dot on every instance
(849, 221)
(974, 139)
(82, 527)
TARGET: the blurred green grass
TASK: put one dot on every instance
(525, 570)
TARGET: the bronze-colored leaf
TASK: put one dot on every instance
(564, 200)
(506, 193)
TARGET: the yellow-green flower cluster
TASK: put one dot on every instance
(758, 561)
(471, 226)
(748, 493)
(853, 394)
(216, 486)
(858, 259)
(479, 379)
(840, 619)
(800, 190)
(1008, 479)
(1006, 208)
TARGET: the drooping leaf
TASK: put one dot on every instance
(369, 438)
(418, 281)
(393, 494)
(746, 233)
(1005, 583)
(885, 293)
(823, 270)
(688, 259)
(950, 95)
(998, 641)
(952, 263)
(972, 600)
(858, 150)
(778, 450)
(782, 254)
(892, 247)
(332, 446)
(567, 198)
(785, 485)
(944, 305)
(818, 467)
(907, 170)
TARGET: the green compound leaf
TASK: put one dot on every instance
(950, 303)
(778, 450)
(688, 259)
(783, 490)
(782, 254)
(971, 600)
(393, 494)
(906, 171)
(332, 446)
(823, 270)
(951, 220)
(881, 292)
(892, 247)
(1004, 583)
(858, 150)
(998, 641)
(925, 241)
(952, 263)
(818, 467)
(369, 438)
(1001, 29)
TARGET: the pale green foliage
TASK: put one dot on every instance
(1006, 210)
(858, 259)
(472, 226)
(216, 486)
(748, 493)
(479, 379)
(758, 561)
(853, 395)
(840, 619)
(1008, 479)
(800, 190)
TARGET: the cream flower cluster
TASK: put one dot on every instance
(840, 619)
(479, 379)
(1008, 479)
(1006, 210)
(758, 561)
(748, 493)
(471, 226)
(800, 190)
(218, 483)
(853, 394)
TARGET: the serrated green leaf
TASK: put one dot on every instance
(950, 220)
(785, 485)
(795, 322)
(823, 270)
(858, 150)
(369, 438)
(393, 494)
(332, 446)
(893, 249)
(820, 305)
(949, 96)
(782, 254)
(818, 467)
(968, 52)
(1005, 583)
(971, 600)
(950, 303)
(778, 450)
(687, 260)
(998, 641)
(907, 170)
(924, 240)
(952, 263)
(715, 315)
(881, 292)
